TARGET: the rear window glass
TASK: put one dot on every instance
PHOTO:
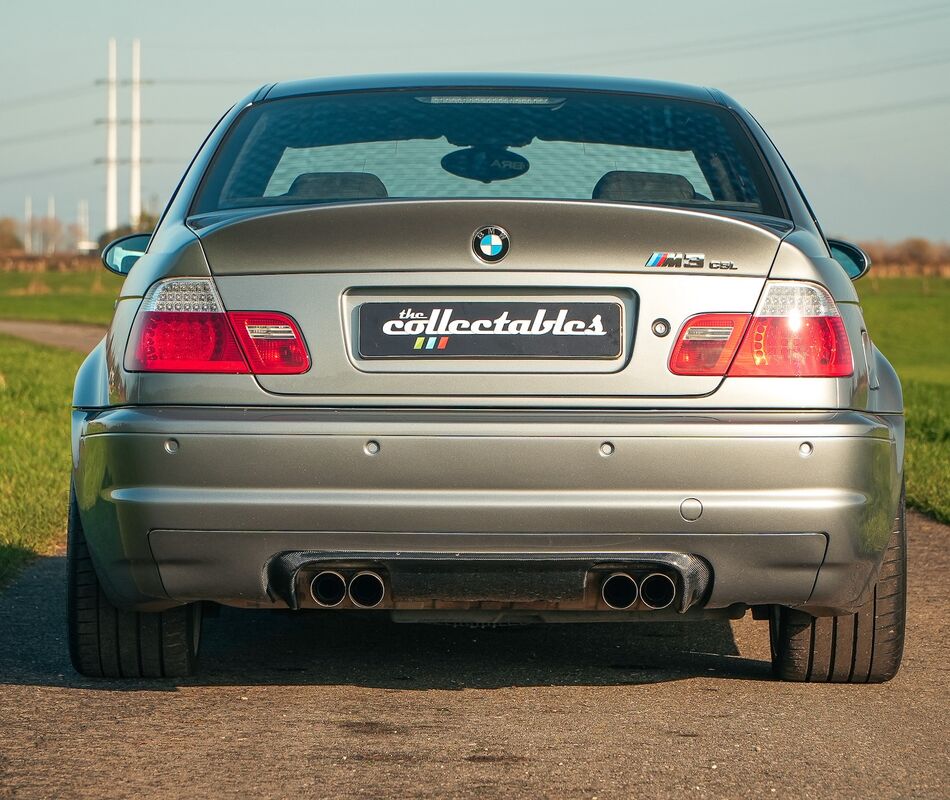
(414, 144)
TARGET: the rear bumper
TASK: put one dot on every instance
(182, 504)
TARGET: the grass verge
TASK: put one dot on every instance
(35, 393)
(59, 296)
(909, 320)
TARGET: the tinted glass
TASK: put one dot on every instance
(488, 144)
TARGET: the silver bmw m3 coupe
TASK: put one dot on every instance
(488, 349)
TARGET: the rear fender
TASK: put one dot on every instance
(802, 256)
(91, 388)
(90, 391)
(887, 397)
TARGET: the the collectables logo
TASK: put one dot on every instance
(433, 328)
(439, 322)
(498, 328)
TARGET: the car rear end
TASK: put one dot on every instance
(635, 388)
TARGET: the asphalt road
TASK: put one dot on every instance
(294, 706)
(59, 334)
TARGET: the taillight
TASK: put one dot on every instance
(182, 327)
(796, 331)
(707, 343)
(181, 341)
(272, 342)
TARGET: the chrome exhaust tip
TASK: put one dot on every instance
(657, 591)
(328, 589)
(367, 590)
(619, 591)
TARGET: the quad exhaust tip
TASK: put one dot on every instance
(657, 591)
(367, 590)
(619, 591)
(328, 589)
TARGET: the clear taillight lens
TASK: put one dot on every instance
(182, 327)
(796, 331)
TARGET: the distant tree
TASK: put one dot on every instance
(917, 251)
(8, 235)
(147, 223)
(877, 250)
(910, 252)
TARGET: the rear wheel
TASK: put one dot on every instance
(864, 647)
(108, 642)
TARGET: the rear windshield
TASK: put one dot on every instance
(494, 144)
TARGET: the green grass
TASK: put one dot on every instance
(909, 320)
(35, 393)
(59, 296)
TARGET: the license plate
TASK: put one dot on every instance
(493, 329)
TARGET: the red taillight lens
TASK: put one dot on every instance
(182, 327)
(192, 341)
(795, 332)
(272, 342)
(794, 347)
(707, 343)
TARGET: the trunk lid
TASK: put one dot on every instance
(609, 270)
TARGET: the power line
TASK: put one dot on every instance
(40, 98)
(187, 82)
(60, 132)
(687, 49)
(161, 121)
(695, 48)
(747, 86)
(162, 160)
(698, 48)
(45, 173)
(51, 133)
(206, 81)
(80, 166)
(920, 104)
(822, 76)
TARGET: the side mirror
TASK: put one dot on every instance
(854, 260)
(120, 255)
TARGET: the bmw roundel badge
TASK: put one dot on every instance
(490, 243)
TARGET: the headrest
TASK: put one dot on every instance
(643, 187)
(337, 186)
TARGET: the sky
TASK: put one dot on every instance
(855, 93)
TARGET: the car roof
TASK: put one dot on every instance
(487, 81)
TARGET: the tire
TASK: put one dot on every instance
(109, 642)
(864, 647)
